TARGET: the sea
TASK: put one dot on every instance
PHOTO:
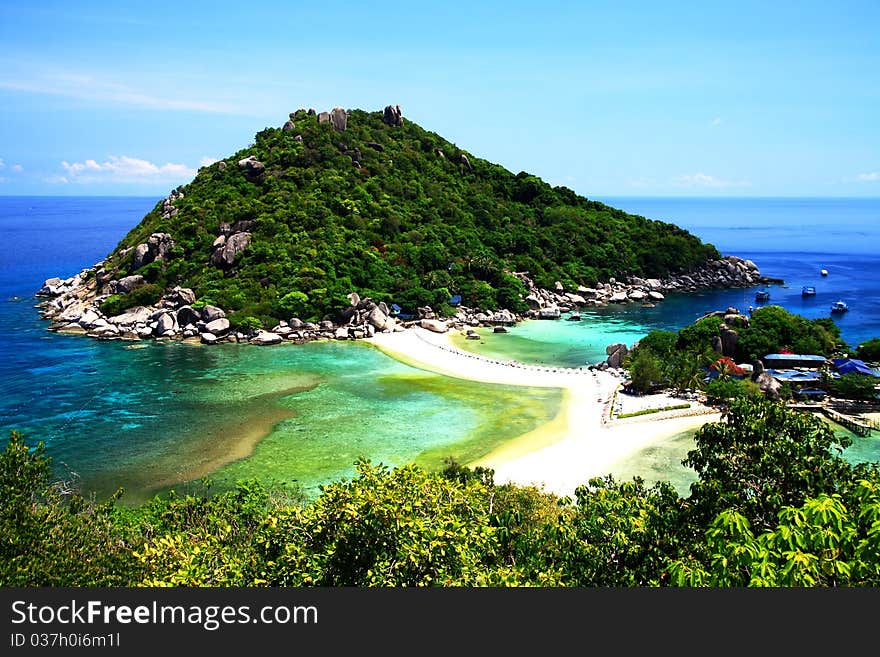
(149, 417)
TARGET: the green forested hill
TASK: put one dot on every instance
(393, 212)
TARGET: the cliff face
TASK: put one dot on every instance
(341, 202)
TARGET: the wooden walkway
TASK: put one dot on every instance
(857, 426)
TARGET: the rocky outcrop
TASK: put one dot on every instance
(157, 247)
(339, 119)
(228, 251)
(767, 384)
(435, 325)
(251, 166)
(393, 116)
(616, 353)
(726, 272)
(128, 283)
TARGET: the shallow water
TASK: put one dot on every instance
(153, 417)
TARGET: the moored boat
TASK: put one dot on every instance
(808, 291)
(824, 272)
(763, 295)
(839, 307)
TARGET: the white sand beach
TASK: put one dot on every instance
(581, 441)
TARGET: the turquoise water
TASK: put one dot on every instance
(159, 416)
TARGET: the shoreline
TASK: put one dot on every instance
(579, 443)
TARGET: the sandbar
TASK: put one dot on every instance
(582, 441)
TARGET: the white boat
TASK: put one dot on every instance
(839, 307)
(824, 272)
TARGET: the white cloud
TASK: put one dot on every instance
(207, 161)
(14, 167)
(87, 87)
(873, 176)
(705, 180)
(124, 169)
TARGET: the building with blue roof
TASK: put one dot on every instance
(853, 366)
(782, 361)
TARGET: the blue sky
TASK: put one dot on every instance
(608, 98)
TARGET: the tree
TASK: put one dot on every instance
(50, 535)
(826, 541)
(869, 351)
(620, 534)
(855, 386)
(761, 457)
(401, 527)
(644, 370)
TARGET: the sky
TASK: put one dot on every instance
(606, 98)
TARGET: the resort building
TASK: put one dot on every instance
(790, 361)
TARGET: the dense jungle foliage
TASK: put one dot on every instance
(774, 504)
(396, 213)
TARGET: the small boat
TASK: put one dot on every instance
(574, 317)
(808, 291)
(824, 272)
(763, 295)
(839, 307)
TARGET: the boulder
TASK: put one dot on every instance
(226, 255)
(136, 315)
(729, 338)
(251, 166)
(435, 325)
(128, 283)
(324, 117)
(618, 297)
(341, 333)
(339, 119)
(549, 313)
(186, 315)
(210, 313)
(141, 254)
(181, 296)
(264, 338)
(616, 356)
(768, 385)
(466, 162)
(656, 296)
(208, 338)
(379, 320)
(289, 126)
(393, 116)
(165, 323)
(50, 287)
(218, 326)
(636, 295)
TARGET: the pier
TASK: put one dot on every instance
(859, 427)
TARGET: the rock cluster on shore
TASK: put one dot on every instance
(727, 272)
(74, 304)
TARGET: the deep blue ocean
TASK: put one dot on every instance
(142, 418)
